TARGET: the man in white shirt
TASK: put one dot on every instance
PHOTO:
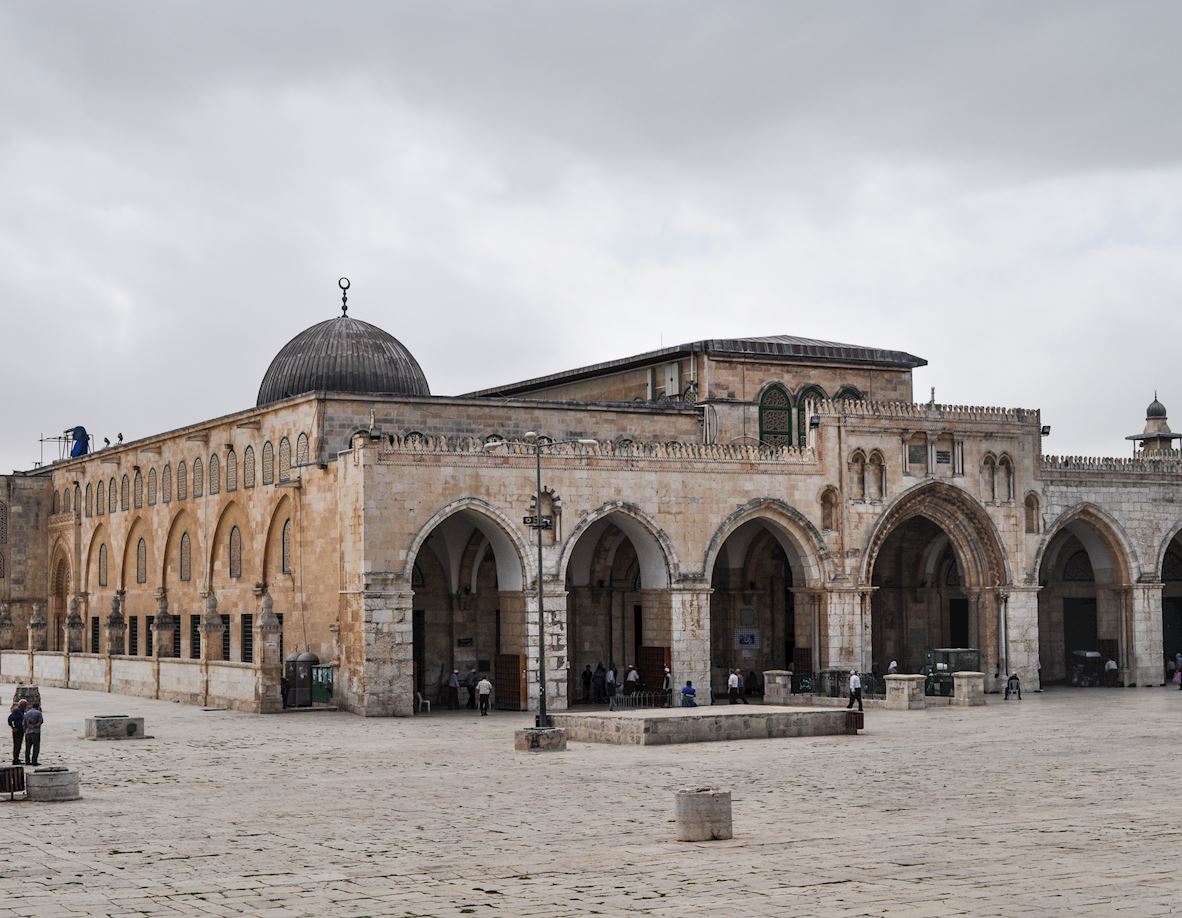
(734, 687)
(855, 691)
(483, 691)
(631, 681)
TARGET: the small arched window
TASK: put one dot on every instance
(78, 499)
(186, 558)
(268, 463)
(125, 493)
(89, 499)
(198, 477)
(141, 562)
(302, 457)
(113, 496)
(1033, 518)
(875, 476)
(989, 478)
(775, 417)
(858, 475)
(182, 481)
(215, 474)
(138, 491)
(284, 459)
(807, 394)
(1005, 476)
(286, 548)
(248, 467)
(100, 499)
(56, 508)
(102, 565)
(152, 486)
(67, 503)
(231, 470)
(235, 552)
(829, 509)
(166, 484)
(849, 394)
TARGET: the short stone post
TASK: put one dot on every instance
(211, 630)
(268, 668)
(162, 626)
(116, 626)
(968, 689)
(5, 626)
(702, 814)
(38, 629)
(74, 627)
(50, 784)
(904, 693)
(777, 686)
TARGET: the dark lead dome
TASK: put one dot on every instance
(343, 355)
(1156, 409)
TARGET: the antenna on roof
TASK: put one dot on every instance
(343, 283)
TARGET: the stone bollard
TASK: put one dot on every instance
(113, 727)
(905, 693)
(702, 814)
(48, 784)
(968, 689)
(777, 686)
(540, 739)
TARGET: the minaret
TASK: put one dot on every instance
(1157, 435)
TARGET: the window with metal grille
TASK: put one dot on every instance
(176, 637)
(94, 634)
(195, 637)
(152, 487)
(279, 615)
(100, 499)
(166, 484)
(66, 501)
(112, 496)
(133, 635)
(215, 474)
(102, 565)
(231, 470)
(235, 552)
(56, 504)
(225, 637)
(186, 559)
(139, 491)
(78, 499)
(198, 480)
(775, 417)
(3, 523)
(125, 494)
(302, 451)
(141, 562)
(149, 635)
(182, 481)
(268, 463)
(284, 459)
(248, 467)
(1, 565)
(286, 547)
(89, 499)
(246, 647)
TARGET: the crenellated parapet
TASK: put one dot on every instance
(924, 411)
(1157, 462)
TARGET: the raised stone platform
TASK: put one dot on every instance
(113, 727)
(718, 723)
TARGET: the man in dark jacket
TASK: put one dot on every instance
(16, 720)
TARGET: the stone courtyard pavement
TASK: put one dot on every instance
(1065, 804)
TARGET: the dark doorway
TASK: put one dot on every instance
(637, 632)
(958, 622)
(419, 636)
(1171, 626)
(1079, 625)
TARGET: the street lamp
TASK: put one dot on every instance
(539, 522)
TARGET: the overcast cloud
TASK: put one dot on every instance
(518, 188)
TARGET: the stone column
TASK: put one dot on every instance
(378, 666)
(556, 658)
(1021, 635)
(116, 625)
(75, 627)
(38, 629)
(211, 630)
(690, 613)
(268, 668)
(1146, 661)
(842, 631)
(163, 626)
(5, 627)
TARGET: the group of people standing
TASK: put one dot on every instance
(477, 689)
(601, 684)
(26, 723)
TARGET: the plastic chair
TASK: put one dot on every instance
(423, 701)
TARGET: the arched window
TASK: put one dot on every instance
(141, 562)
(857, 475)
(989, 478)
(829, 508)
(268, 463)
(198, 477)
(807, 394)
(152, 484)
(166, 485)
(102, 564)
(215, 474)
(1032, 514)
(302, 449)
(139, 491)
(182, 481)
(235, 552)
(875, 476)
(125, 493)
(67, 504)
(1079, 567)
(1, 565)
(284, 459)
(186, 560)
(113, 496)
(100, 499)
(1005, 476)
(775, 417)
(3, 523)
(849, 394)
(78, 499)
(248, 467)
(286, 549)
(56, 508)
(89, 499)
(231, 470)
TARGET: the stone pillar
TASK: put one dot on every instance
(968, 689)
(904, 693)
(1020, 617)
(75, 627)
(116, 625)
(1146, 661)
(163, 626)
(211, 630)
(268, 668)
(556, 658)
(777, 686)
(378, 642)
(842, 629)
(38, 629)
(5, 627)
(690, 613)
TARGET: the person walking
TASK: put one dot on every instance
(16, 720)
(453, 690)
(587, 676)
(631, 681)
(33, 722)
(688, 695)
(470, 685)
(855, 691)
(667, 687)
(734, 685)
(484, 691)
(609, 682)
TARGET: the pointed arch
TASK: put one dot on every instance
(811, 392)
(810, 559)
(302, 451)
(128, 567)
(152, 484)
(215, 474)
(90, 572)
(198, 478)
(166, 484)
(248, 467)
(182, 524)
(231, 469)
(217, 558)
(281, 515)
(510, 550)
(268, 463)
(775, 416)
(1103, 537)
(659, 565)
(182, 481)
(138, 491)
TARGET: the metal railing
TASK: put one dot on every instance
(637, 700)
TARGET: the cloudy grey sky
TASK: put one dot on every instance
(515, 188)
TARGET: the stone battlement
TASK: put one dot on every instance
(924, 411)
(1159, 462)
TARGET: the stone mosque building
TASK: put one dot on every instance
(753, 503)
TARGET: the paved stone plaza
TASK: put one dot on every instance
(1064, 804)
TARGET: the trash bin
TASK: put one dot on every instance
(297, 669)
(322, 684)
